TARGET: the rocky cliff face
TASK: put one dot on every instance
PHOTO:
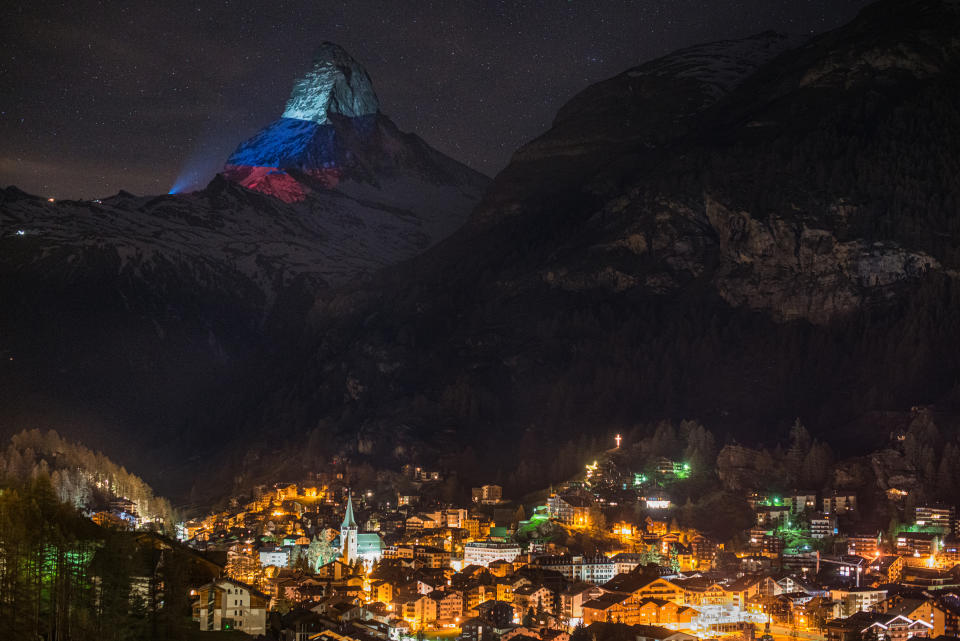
(796, 272)
(335, 84)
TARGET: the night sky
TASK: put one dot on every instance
(101, 96)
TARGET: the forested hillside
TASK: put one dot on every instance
(80, 477)
(64, 577)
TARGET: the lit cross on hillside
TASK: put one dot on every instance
(618, 438)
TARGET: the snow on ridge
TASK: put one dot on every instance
(720, 66)
(329, 239)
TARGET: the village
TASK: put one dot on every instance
(331, 560)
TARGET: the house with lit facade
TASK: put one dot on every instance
(570, 509)
(866, 545)
(226, 604)
(624, 608)
(943, 517)
(485, 552)
(839, 503)
(917, 543)
(591, 569)
(853, 600)
(641, 600)
(898, 628)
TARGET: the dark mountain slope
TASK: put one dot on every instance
(741, 233)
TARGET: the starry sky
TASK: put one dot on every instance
(101, 96)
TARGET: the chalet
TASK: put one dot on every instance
(644, 633)
(639, 587)
(419, 612)
(226, 604)
(899, 628)
(702, 591)
(500, 568)
(851, 628)
(419, 522)
(742, 589)
(645, 612)
(570, 509)
(855, 600)
(573, 596)
(888, 567)
(535, 598)
(449, 606)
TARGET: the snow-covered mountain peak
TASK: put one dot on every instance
(334, 84)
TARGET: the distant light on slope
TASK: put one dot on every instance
(204, 162)
(185, 182)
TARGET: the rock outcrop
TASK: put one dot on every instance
(335, 84)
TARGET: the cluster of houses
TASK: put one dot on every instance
(320, 563)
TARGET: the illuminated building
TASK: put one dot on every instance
(917, 543)
(899, 628)
(485, 552)
(570, 509)
(671, 470)
(656, 503)
(626, 561)
(822, 526)
(889, 567)
(420, 612)
(839, 503)
(487, 494)
(354, 546)
(801, 501)
(638, 599)
(940, 516)
(855, 600)
(419, 522)
(274, 556)
(537, 598)
(231, 605)
(865, 545)
(595, 569)
(572, 599)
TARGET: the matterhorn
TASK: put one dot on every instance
(333, 137)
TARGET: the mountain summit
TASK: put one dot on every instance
(332, 136)
(335, 84)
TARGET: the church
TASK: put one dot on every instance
(366, 547)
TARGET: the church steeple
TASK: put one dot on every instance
(348, 535)
(348, 521)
